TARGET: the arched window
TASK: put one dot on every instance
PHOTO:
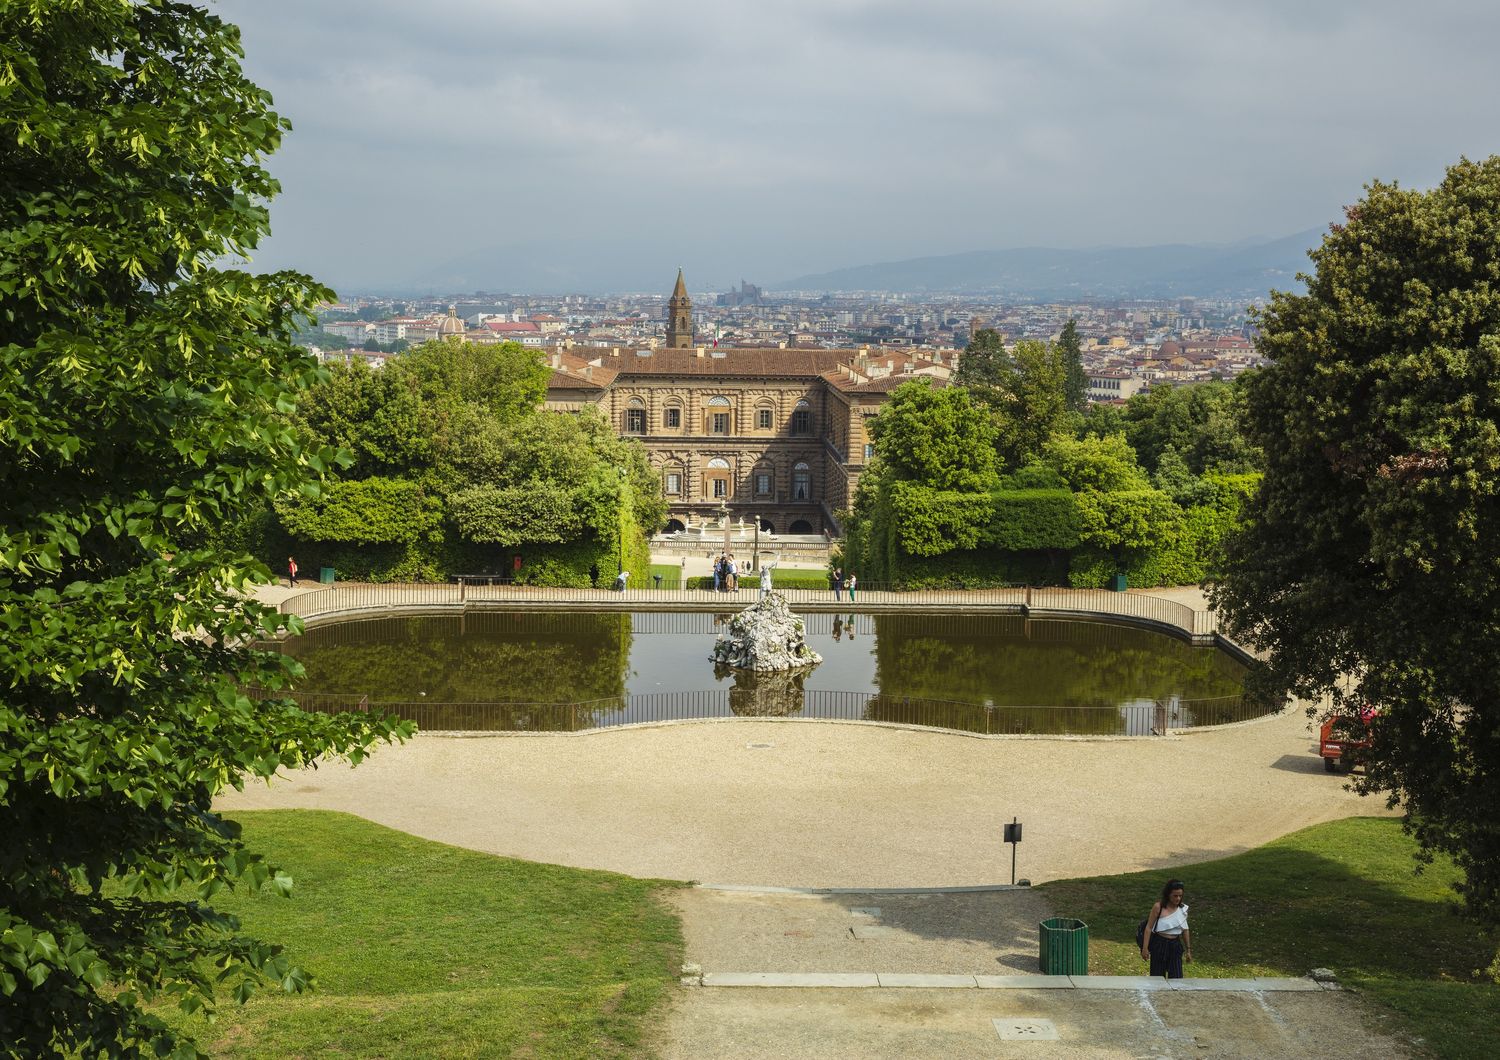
(801, 526)
(635, 416)
(718, 415)
(801, 482)
(802, 418)
(716, 479)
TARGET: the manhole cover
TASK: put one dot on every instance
(1025, 1030)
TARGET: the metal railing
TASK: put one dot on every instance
(1138, 718)
(362, 598)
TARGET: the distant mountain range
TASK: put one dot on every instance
(1116, 272)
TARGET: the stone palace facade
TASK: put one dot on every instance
(777, 435)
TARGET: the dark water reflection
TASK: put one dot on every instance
(928, 669)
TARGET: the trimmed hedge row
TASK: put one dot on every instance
(920, 538)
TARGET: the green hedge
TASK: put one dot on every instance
(912, 537)
(1031, 520)
(370, 511)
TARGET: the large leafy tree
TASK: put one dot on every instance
(1034, 401)
(1200, 423)
(143, 394)
(936, 436)
(1368, 566)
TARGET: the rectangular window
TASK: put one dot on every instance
(763, 419)
(673, 417)
(869, 451)
(635, 421)
(721, 487)
(802, 422)
(801, 485)
(721, 426)
(763, 483)
(674, 483)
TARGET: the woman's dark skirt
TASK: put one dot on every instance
(1166, 957)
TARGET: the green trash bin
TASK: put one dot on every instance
(1120, 583)
(325, 575)
(1065, 946)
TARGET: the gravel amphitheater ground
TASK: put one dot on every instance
(792, 803)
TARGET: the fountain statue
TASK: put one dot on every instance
(765, 636)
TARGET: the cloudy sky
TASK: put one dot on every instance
(550, 145)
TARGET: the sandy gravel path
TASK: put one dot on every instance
(835, 804)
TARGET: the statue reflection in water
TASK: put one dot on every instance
(764, 693)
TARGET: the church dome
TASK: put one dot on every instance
(450, 324)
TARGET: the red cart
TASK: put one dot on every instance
(1344, 739)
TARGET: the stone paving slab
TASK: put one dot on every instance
(1023, 982)
(1266, 983)
(1119, 982)
(917, 980)
(903, 980)
(792, 979)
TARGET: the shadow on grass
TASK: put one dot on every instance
(1342, 895)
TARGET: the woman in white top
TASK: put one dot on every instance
(1167, 943)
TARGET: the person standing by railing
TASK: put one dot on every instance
(836, 582)
(852, 584)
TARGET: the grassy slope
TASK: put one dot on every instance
(1340, 895)
(426, 950)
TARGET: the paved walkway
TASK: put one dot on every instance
(985, 933)
(1048, 1024)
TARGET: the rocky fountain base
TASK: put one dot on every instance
(765, 636)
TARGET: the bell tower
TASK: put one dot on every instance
(679, 317)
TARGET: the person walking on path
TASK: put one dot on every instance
(851, 585)
(291, 573)
(1165, 940)
(838, 583)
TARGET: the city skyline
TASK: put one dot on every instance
(594, 147)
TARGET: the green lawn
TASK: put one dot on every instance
(1340, 895)
(671, 576)
(425, 950)
(789, 578)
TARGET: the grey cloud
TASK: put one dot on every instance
(609, 140)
